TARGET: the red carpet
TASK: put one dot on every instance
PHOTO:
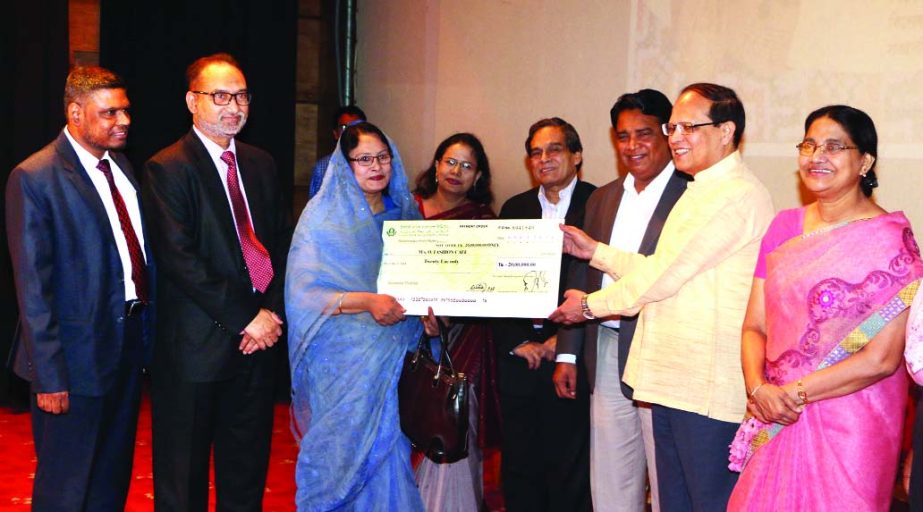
(18, 464)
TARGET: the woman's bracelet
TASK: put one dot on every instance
(757, 388)
(802, 394)
(338, 307)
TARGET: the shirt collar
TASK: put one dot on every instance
(655, 187)
(214, 150)
(563, 194)
(720, 170)
(87, 159)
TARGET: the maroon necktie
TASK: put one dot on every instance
(138, 267)
(256, 256)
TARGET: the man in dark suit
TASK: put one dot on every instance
(629, 212)
(545, 464)
(221, 238)
(83, 282)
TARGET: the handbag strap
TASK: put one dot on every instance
(444, 364)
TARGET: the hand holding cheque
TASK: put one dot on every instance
(580, 245)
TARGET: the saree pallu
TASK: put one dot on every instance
(826, 296)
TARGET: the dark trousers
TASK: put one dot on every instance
(916, 470)
(691, 451)
(189, 418)
(85, 455)
(546, 459)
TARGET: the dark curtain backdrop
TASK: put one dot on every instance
(33, 53)
(151, 43)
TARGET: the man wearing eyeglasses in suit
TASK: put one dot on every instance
(545, 464)
(222, 237)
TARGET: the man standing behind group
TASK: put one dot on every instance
(692, 294)
(344, 117)
(83, 282)
(545, 464)
(629, 213)
(221, 239)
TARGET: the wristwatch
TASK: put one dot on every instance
(586, 309)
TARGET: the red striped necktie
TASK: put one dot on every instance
(138, 267)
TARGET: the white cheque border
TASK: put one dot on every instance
(474, 268)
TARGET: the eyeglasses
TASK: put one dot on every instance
(807, 148)
(684, 127)
(222, 98)
(552, 150)
(366, 160)
(452, 163)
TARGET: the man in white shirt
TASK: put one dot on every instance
(545, 463)
(84, 282)
(630, 213)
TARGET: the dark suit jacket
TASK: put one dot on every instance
(204, 287)
(68, 274)
(514, 373)
(600, 213)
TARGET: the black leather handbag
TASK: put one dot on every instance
(433, 401)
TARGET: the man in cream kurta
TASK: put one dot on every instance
(692, 294)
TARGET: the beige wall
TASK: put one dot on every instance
(427, 69)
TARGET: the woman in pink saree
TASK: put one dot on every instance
(823, 337)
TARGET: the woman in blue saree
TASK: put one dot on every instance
(347, 342)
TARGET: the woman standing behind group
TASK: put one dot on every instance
(823, 337)
(457, 187)
(346, 342)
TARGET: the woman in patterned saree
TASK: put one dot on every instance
(823, 337)
(347, 342)
(457, 187)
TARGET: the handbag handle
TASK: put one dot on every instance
(444, 360)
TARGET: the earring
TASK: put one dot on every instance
(435, 179)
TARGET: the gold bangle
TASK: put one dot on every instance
(802, 394)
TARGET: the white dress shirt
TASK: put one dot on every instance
(215, 151)
(631, 219)
(129, 196)
(633, 216)
(553, 211)
(557, 210)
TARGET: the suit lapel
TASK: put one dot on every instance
(80, 179)
(606, 219)
(575, 210)
(212, 186)
(247, 171)
(535, 207)
(602, 223)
